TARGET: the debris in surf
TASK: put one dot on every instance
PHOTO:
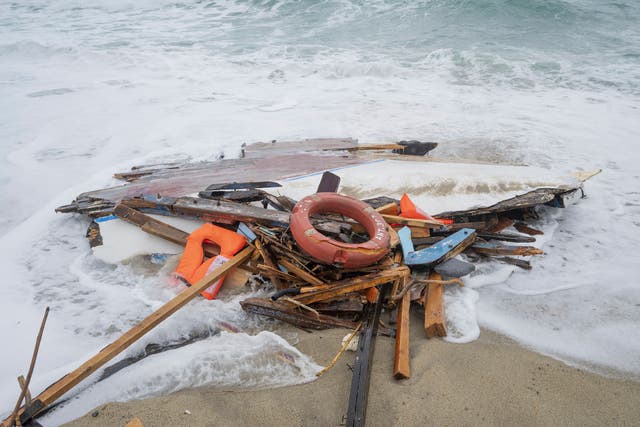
(348, 259)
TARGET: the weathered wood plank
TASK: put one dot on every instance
(401, 368)
(434, 310)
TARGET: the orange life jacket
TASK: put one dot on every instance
(192, 266)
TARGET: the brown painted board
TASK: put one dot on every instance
(401, 368)
(67, 382)
(351, 285)
(434, 309)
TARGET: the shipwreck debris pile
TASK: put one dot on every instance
(333, 260)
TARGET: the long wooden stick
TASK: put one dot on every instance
(25, 386)
(64, 384)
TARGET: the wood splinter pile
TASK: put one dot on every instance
(417, 262)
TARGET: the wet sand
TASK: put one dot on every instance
(492, 381)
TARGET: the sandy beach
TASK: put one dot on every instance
(492, 381)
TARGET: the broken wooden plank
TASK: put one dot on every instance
(291, 314)
(351, 305)
(507, 237)
(536, 197)
(486, 248)
(389, 209)
(434, 323)
(159, 228)
(360, 283)
(299, 272)
(401, 368)
(418, 223)
(226, 212)
(268, 260)
(524, 228)
(501, 223)
(329, 183)
(525, 265)
(67, 382)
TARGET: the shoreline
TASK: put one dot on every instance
(491, 381)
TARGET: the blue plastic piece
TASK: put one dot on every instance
(433, 253)
(246, 232)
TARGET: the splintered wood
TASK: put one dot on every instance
(235, 194)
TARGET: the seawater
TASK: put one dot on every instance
(88, 88)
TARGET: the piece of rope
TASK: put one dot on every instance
(342, 350)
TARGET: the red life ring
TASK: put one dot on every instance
(329, 251)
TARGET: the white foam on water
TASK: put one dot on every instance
(228, 361)
(90, 88)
